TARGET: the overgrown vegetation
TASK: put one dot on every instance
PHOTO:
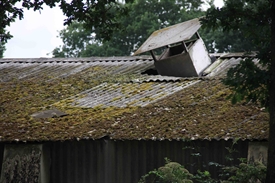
(244, 172)
(173, 172)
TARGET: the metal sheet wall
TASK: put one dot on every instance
(2, 148)
(108, 161)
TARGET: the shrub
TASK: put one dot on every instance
(245, 173)
(171, 172)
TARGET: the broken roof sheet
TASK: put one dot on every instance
(110, 97)
(170, 35)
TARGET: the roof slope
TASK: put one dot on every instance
(111, 97)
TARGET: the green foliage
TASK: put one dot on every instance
(171, 172)
(76, 37)
(101, 16)
(2, 49)
(242, 21)
(245, 172)
(245, 24)
(249, 82)
(231, 41)
(204, 177)
(8, 13)
(145, 16)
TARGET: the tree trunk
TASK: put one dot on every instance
(270, 177)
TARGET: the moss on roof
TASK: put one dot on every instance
(200, 111)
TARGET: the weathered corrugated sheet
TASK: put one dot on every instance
(58, 68)
(170, 35)
(76, 60)
(222, 65)
(128, 94)
(107, 161)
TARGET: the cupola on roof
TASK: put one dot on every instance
(185, 54)
(170, 35)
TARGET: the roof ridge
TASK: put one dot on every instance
(77, 60)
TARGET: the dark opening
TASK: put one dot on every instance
(151, 71)
(175, 50)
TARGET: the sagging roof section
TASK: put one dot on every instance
(170, 35)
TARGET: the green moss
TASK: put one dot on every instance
(195, 109)
(116, 98)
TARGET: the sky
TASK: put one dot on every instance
(36, 35)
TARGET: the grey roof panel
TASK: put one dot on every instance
(128, 94)
(170, 35)
(60, 68)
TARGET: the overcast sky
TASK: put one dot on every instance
(36, 35)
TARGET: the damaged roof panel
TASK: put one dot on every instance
(170, 35)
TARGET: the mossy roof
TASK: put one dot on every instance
(110, 97)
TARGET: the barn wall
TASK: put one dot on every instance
(2, 147)
(108, 161)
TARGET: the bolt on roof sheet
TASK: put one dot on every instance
(170, 35)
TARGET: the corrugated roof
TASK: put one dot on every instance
(128, 94)
(170, 35)
(224, 62)
(110, 97)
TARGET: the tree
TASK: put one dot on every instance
(219, 41)
(145, 16)
(271, 149)
(100, 16)
(252, 81)
(76, 38)
(2, 49)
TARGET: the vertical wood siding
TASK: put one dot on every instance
(108, 161)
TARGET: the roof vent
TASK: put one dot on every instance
(185, 54)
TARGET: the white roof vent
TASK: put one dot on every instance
(185, 54)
